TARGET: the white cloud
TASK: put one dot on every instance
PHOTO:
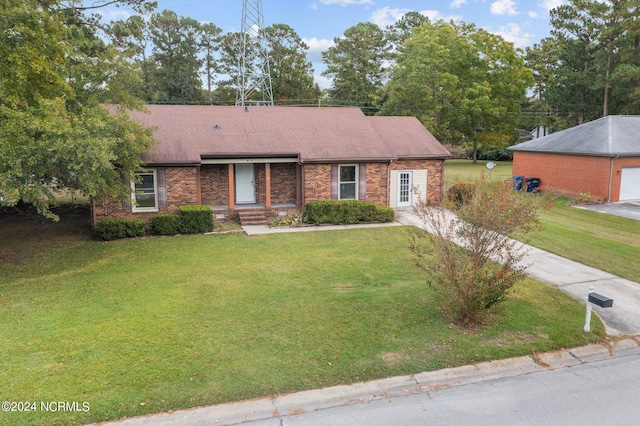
(433, 15)
(346, 2)
(513, 34)
(387, 16)
(533, 14)
(316, 47)
(503, 7)
(323, 82)
(456, 4)
(551, 4)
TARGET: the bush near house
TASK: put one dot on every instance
(114, 229)
(165, 224)
(189, 220)
(195, 219)
(346, 211)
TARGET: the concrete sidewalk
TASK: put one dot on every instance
(576, 279)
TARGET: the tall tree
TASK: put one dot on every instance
(463, 83)
(131, 37)
(291, 73)
(403, 28)
(55, 134)
(176, 73)
(577, 26)
(209, 44)
(356, 63)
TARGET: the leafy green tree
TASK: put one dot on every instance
(55, 134)
(131, 38)
(403, 29)
(230, 54)
(356, 63)
(176, 72)
(209, 44)
(464, 84)
(577, 25)
(291, 73)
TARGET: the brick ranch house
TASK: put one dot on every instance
(601, 157)
(256, 163)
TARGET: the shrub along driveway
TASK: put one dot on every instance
(155, 324)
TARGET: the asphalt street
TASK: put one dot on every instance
(602, 392)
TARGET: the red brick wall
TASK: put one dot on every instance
(260, 183)
(214, 184)
(317, 182)
(377, 175)
(283, 183)
(567, 175)
(182, 189)
(435, 176)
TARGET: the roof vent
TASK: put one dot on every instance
(246, 109)
(216, 127)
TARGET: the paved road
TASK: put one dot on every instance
(603, 392)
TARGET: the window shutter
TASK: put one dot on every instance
(161, 173)
(126, 200)
(362, 182)
(334, 181)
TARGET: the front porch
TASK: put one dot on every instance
(254, 214)
(251, 189)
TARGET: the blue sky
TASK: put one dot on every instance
(318, 22)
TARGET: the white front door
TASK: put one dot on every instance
(245, 187)
(405, 184)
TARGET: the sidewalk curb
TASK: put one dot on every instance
(361, 393)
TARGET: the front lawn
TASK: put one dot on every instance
(603, 241)
(154, 324)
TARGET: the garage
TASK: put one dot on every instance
(600, 158)
(630, 184)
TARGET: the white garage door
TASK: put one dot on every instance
(630, 184)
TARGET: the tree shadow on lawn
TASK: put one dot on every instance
(25, 235)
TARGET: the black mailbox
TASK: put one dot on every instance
(600, 300)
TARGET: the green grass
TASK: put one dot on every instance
(465, 170)
(154, 324)
(600, 240)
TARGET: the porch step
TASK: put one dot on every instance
(252, 217)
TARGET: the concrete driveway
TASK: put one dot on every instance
(577, 280)
(628, 209)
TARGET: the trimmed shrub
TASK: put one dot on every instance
(196, 219)
(344, 212)
(113, 229)
(166, 224)
(385, 214)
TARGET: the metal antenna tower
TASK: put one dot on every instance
(254, 72)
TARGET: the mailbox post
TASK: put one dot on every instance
(598, 299)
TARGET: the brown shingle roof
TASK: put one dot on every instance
(188, 133)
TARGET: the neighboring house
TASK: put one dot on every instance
(274, 160)
(601, 158)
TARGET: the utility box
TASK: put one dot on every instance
(600, 300)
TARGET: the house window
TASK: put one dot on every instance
(348, 183)
(145, 192)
